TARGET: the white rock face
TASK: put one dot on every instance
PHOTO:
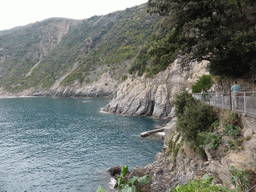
(151, 97)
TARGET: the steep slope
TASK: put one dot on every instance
(21, 49)
(36, 56)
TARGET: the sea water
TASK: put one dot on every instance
(57, 144)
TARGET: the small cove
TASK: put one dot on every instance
(64, 144)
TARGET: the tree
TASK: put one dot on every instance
(220, 31)
(205, 82)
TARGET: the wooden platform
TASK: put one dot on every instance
(145, 134)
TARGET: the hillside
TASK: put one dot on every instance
(37, 55)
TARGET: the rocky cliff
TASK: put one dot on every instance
(169, 170)
(182, 165)
(152, 97)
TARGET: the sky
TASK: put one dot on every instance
(15, 13)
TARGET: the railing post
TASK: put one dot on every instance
(215, 99)
(244, 102)
(222, 101)
(232, 101)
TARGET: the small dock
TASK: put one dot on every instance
(147, 133)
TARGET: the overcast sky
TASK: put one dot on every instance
(15, 13)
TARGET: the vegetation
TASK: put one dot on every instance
(124, 77)
(222, 32)
(240, 179)
(130, 184)
(205, 82)
(198, 125)
(213, 139)
(194, 118)
(204, 185)
(174, 146)
(96, 44)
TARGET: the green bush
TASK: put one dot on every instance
(230, 118)
(130, 184)
(230, 122)
(205, 82)
(124, 77)
(204, 185)
(215, 125)
(240, 179)
(194, 117)
(213, 139)
(181, 101)
(232, 130)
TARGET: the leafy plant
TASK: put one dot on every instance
(181, 101)
(215, 125)
(204, 185)
(230, 118)
(236, 144)
(130, 184)
(213, 139)
(174, 146)
(101, 189)
(240, 179)
(230, 122)
(232, 130)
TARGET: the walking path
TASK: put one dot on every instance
(244, 102)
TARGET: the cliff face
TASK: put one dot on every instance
(188, 166)
(152, 97)
(182, 165)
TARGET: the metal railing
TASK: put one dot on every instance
(244, 102)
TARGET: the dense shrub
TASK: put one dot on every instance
(181, 101)
(194, 117)
(205, 82)
(124, 77)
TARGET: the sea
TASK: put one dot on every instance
(68, 144)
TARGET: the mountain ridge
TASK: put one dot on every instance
(37, 55)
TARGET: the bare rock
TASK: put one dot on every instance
(114, 171)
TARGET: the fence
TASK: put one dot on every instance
(244, 102)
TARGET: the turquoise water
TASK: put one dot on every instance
(49, 144)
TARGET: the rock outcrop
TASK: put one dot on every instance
(170, 169)
(151, 97)
(104, 87)
(140, 99)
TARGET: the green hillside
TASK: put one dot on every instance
(53, 46)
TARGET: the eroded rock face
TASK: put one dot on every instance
(151, 97)
(139, 98)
